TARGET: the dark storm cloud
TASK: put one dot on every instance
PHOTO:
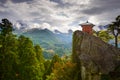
(4, 13)
(7, 15)
(60, 13)
(2, 5)
(2, 1)
(61, 4)
(94, 11)
(15, 1)
(57, 1)
(102, 6)
(110, 3)
(18, 1)
(34, 13)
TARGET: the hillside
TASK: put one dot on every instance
(52, 43)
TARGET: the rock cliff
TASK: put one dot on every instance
(95, 56)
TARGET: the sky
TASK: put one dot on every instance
(59, 15)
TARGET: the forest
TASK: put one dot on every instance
(20, 59)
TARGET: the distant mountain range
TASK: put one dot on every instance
(101, 27)
(51, 42)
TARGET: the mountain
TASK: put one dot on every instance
(51, 42)
(103, 27)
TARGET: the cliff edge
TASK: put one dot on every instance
(95, 56)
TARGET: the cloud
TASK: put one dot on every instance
(15, 1)
(59, 14)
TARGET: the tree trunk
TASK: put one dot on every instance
(116, 41)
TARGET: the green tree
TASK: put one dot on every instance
(8, 51)
(19, 58)
(30, 66)
(114, 28)
(6, 27)
(40, 59)
(39, 54)
(63, 71)
(104, 35)
(50, 65)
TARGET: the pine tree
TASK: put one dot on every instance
(8, 51)
(19, 58)
(30, 68)
(114, 28)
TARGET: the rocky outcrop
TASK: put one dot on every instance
(95, 56)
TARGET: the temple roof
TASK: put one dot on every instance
(87, 23)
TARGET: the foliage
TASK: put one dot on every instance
(31, 66)
(62, 71)
(8, 54)
(114, 28)
(58, 43)
(104, 35)
(19, 58)
(6, 27)
(39, 54)
(50, 64)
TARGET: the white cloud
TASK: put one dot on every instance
(80, 2)
(63, 15)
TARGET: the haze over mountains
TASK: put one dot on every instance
(52, 42)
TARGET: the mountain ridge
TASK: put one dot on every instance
(52, 43)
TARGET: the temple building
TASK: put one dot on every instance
(87, 27)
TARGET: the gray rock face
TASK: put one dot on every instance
(96, 56)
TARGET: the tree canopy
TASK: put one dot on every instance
(114, 28)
